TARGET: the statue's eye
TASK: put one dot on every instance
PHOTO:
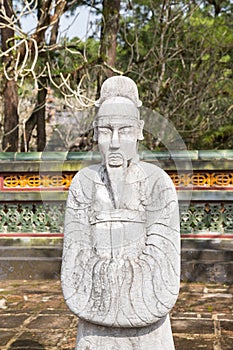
(125, 130)
(105, 131)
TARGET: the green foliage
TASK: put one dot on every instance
(181, 57)
(218, 138)
(179, 53)
(74, 60)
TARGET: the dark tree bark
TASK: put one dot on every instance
(11, 117)
(41, 101)
(37, 118)
(109, 31)
(217, 6)
(10, 90)
(108, 39)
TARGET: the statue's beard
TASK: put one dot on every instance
(116, 165)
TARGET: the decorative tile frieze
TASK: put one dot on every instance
(203, 179)
(37, 181)
(40, 181)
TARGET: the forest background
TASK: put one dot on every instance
(180, 54)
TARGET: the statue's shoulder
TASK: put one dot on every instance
(156, 175)
(88, 174)
(151, 169)
(158, 181)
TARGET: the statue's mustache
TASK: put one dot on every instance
(114, 155)
(115, 158)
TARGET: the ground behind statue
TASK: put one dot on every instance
(33, 316)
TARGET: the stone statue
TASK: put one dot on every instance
(121, 255)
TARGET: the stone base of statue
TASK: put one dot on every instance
(157, 336)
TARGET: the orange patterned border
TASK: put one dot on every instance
(54, 181)
(37, 181)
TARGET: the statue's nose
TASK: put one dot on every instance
(115, 142)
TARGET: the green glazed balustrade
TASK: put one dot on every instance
(65, 156)
(207, 217)
(38, 218)
(73, 161)
(23, 218)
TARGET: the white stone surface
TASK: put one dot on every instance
(157, 336)
(121, 255)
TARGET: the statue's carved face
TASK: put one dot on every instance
(117, 139)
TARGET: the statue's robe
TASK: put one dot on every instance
(121, 267)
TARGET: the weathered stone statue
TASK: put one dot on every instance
(121, 258)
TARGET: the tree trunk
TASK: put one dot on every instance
(10, 91)
(41, 132)
(11, 117)
(108, 39)
(109, 31)
(37, 118)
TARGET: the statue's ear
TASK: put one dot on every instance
(95, 136)
(140, 130)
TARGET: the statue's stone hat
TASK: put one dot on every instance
(119, 86)
(118, 97)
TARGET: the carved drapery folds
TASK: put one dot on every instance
(125, 272)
